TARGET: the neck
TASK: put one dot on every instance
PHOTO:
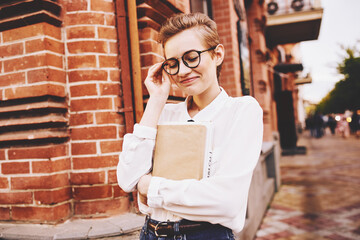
(202, 100)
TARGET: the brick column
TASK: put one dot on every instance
(34, 155)
(260, 75)
(97, 128)
(226, 18)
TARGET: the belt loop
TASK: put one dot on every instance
(147, 219)
(177, 234)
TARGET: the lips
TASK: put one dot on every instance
(188, 80)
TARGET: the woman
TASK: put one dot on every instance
(213, 207)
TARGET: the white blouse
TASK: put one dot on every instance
(219, 199)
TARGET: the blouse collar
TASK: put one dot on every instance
(209, 112)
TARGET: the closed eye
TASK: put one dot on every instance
(191, 56)
(192, 59)
(171, 63)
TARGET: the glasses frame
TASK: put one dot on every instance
(184, 61)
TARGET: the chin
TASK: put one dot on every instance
(190, 91)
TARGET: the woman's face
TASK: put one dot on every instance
(199, 80)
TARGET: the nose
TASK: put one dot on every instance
(183, 69)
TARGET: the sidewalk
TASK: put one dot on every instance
(124, 227)
(320, 194)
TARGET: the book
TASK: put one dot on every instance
(183, 150)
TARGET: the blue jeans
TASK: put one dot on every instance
(214, 232)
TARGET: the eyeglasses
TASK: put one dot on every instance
(191, 59)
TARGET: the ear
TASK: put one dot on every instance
(219, 54)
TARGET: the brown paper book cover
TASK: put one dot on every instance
(181, 151)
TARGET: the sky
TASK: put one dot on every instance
(340, 26)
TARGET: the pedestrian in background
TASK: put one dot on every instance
(318, 125)
(343, 128)
(310, 125)
(355, 124)
(331, 123)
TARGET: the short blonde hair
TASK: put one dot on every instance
(182, 21)
(206, 28)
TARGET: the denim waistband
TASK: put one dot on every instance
(170, 229)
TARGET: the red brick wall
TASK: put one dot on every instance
(226, 18)
(32, 62)
(93, 83)
(260, 76)
(30, 192)
(80, 62)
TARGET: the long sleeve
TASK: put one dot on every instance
(222, 198)
(136, 157)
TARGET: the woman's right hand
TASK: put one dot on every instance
(158, 86)
(157, 83)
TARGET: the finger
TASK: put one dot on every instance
(154, 68)
(154, 73)
(166, 77)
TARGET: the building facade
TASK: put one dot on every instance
(71, 86)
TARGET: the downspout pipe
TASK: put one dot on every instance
(135, 59)
(130, 65)
(128, 41)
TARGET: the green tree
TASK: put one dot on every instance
(346, 93)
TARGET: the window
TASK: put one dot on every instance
(244, 53)
(203, 6)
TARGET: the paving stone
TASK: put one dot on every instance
(22, 231)
(128, 222)
(337, 237)
(104, 230)
(77, 229)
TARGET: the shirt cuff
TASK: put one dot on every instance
(144, 132)
(154, 199)
(143, 207)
